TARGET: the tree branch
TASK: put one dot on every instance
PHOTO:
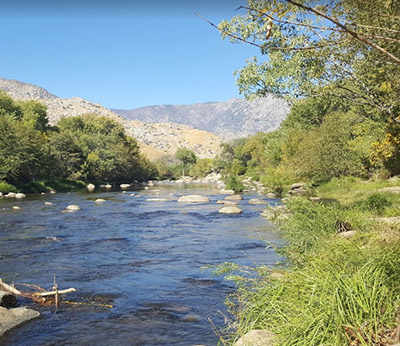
(228, 33)
(346, 29)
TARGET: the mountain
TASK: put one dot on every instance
(232, 119)
(155, 140)
(24, 91)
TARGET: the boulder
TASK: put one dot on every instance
(234, 198)
(10, 195)
(226, 192)
(125, 186)
(156, 200)
(1, 194)
(73, 207)
(296, 186)
(348, 234)
(99, 200)
(271, 195)
(230, 210)
(257, 337)
(20, 195)
(15, 207)
(11, 318)
(52, 191)
(48, 203)
(90, 187)
(194, 199)
(257, 201)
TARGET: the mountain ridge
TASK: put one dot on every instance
(155, 140)
(262, 114)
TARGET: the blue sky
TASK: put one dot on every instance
(123, 54)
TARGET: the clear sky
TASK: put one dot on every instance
(120, 53)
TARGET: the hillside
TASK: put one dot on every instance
(232, 119)
(155, 140)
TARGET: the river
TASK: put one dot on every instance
(145, 258)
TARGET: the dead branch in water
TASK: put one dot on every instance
(40, 296)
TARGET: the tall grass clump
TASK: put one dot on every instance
(332, 291)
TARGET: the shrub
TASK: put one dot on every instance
(232, 182)
(6, 188)
(376, 202)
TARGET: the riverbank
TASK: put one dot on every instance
(339, 283)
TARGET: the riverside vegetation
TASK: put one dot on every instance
(338, 284)
(339, 64)
(36, 157)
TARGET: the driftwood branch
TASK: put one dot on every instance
(40, 296)
(53, 293)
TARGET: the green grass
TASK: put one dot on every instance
(334, 290)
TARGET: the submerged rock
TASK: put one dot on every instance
(257, 201)
(99, 200)
(11, 318)
(194, 199)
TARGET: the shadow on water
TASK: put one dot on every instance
(143, 257)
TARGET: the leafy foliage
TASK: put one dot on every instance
(86, 147)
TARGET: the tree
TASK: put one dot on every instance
(187, 157)
(344, 49)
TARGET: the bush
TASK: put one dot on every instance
(376, 202)
(277, 180)
(6, 188)
(233, 183)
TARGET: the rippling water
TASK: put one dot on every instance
(143, 257)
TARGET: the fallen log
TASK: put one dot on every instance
(7, 299)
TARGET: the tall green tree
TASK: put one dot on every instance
(344, 49)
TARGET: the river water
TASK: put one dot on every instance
(145, 258)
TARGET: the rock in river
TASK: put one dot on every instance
(257, 201)
(10, 318)
(230, 210)
(234, 198)
(194, 199)
(20, 195)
